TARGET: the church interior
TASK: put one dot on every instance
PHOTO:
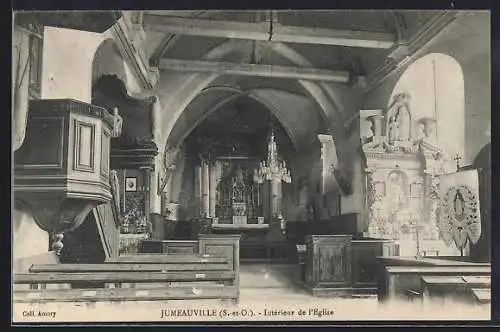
(252, 156)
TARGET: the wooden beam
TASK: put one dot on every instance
(261, 31)
(409, 52)
(246, 69)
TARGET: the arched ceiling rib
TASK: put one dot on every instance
(187, 89)
(296, 113)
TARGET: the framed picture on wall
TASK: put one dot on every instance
(130, 184)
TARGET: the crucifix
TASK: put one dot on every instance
(457, 159)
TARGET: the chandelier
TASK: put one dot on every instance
(272, 168)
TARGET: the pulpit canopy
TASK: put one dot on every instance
(92, 21)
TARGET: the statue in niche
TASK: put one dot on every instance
(393, 130)
(398, 126)
(420, 132)
(117, 123)
(397, 192)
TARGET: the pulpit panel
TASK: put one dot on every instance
(332, 263)
(328, 261)
(49, 129)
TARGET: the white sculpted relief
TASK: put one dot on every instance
(400, 161)
(397, 191)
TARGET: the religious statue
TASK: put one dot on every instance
(239, 204)
(393, 130)
(459, 205)
(398, 126)
(115, 188)
(239, 186)
(117, 123)
(397, 195)
(420, 131)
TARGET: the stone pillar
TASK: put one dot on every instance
(198, 189)
(329, 160)
(205, 184)
(377, 220)
(213, 189)
(275, 197)
(147, 171)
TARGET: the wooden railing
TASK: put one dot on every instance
(108, 223)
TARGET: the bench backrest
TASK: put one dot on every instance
(121, 277)
(167, 259)
(129, 267)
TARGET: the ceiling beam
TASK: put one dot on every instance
(261, 31)
(260, 70)
(403, 54)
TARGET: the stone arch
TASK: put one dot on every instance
(108, 61)
(236, 93)
(189, 87)
(435, 83)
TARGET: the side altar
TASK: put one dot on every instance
(402, 178)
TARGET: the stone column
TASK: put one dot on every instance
(374, 221)
(205, 196)
(198, 189)
(213, 189)
(275, 197)
(147, 171)
(329, 159)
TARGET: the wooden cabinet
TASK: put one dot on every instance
(328, 263)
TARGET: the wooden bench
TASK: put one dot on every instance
(454, 288)
(186, 247)
(482, 295)
(129, 267)
(168, 259)
(197, 277)
(397, 281)
(214, 292)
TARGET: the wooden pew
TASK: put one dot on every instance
(189, 247)
(400, 280)
(194, 276)
(215, 292)
(482, 296)
(132, 267)
(167, 259)
(121, 277)
(222, 282)
(454, 288)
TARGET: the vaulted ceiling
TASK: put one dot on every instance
(329, 39)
